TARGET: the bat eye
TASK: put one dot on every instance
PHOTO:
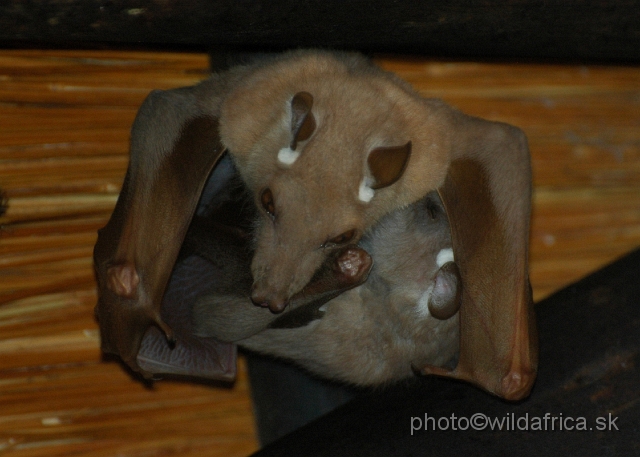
(266, 198)
(343, 238)
(432, 209)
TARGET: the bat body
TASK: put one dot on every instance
(376, 333)
(387, 232)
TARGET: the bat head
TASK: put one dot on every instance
(319, 150)
(314, 191)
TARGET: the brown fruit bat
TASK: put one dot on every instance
(344, 166)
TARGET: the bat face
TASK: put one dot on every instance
(291, 244)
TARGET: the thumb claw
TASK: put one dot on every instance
(168, 333)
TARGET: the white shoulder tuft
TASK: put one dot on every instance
(365, 192)
(287, 156)
(444, 256)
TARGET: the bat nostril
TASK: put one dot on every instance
(277, 306)
(259, 300)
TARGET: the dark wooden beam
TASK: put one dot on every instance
(580, 30)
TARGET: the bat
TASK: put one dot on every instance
(333, 153)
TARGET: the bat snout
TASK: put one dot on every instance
(275, 303)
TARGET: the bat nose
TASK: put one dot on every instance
(276, 305)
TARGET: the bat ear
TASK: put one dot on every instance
(487, 196)
(387, 164)
(174, 147)
(303, 124)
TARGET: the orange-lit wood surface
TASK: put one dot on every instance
(64, 127)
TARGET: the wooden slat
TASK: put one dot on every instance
(605, 30)
(65, 118)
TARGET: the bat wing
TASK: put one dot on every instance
(487, 195)
(174, 146)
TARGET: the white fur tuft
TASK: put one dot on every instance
(365, 193)
(287, 156)
(444, 256)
